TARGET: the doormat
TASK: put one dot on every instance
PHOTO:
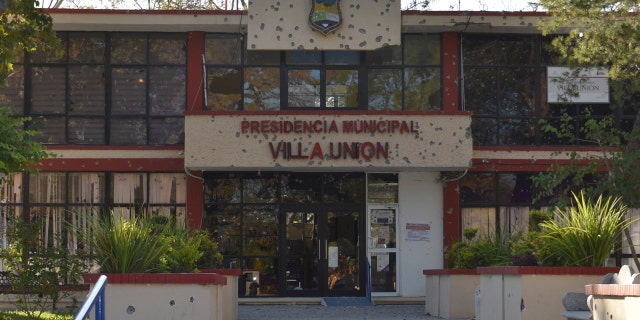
(346, 302)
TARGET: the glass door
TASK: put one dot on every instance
(302, 252)
(382, 248)
(322, 255)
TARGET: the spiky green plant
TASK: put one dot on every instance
(128, 246)
(586, 233)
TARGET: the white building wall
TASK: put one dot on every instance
(420, 201)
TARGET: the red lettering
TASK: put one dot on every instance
(287, 127)
(276, 151)
(395, 124)
(297, 127)
(317, 126)
(347, 126)
(381, 126)
(368, 126)
(382, 150)
(351, 150)
(316, 152)
(244, 126)
(333, 127)
(367, 150)
(404, 128)
(273, 127)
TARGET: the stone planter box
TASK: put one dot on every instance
(619, 300)
(450, 293)
(528, 293)
(229, 292)
(197, 296)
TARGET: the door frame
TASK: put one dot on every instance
(372, 249)
(322, 211)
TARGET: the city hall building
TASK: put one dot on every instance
(309, 138)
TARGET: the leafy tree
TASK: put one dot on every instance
(600, 33)
(23, 27)
(18, 150)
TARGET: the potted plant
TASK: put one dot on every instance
(151, 267)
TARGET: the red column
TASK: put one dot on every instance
(450, 102)
(195, 82)
(451, 214)
(195, 200)
(195, 93)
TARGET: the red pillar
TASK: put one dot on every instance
(195, 200)
(451, 214)
(195, 88)
(195, 82)
(450, 102)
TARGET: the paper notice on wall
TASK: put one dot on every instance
(333, 257)
(382, 262)
(417, 232)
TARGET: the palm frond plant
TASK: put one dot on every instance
(149, 244)
(128, 246)
(586, 233)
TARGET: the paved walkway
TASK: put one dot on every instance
(319, 312)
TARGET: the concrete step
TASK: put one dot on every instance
(318, 300)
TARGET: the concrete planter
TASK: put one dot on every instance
(229, 292)
(528, 293)
(450, 293)
(198, 296)
(619, 299)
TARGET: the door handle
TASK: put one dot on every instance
(326, 249)
(319, 251)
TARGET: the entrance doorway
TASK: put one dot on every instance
(323, 253)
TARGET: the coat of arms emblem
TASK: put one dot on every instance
(325, 15)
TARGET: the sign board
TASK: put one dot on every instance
(577, 85)
(310, 141)
(418, 232)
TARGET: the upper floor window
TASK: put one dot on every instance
(505, 79)
(403, 77)
(105, 88)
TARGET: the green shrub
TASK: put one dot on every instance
(211, 256)
(485, 250)
(151, 244)
(128, 246)
(586, 233)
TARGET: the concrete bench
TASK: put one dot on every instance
(576, 307)
(577, 315)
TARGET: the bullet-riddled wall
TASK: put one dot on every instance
(284, 25)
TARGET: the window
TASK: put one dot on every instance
(505, 88)
(496, 202)
(392, 78)
(105, 88)
(75, 200)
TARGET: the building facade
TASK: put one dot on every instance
(304, 154)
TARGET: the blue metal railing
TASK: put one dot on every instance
(94, 299)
